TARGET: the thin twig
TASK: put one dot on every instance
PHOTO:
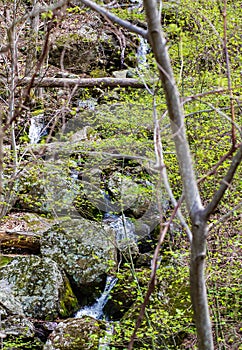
(215, 167)
(21, 107)
(151, 285)
(218, 110)
(121, 22)
(224, 183)
(206, 93)
(224, 217)
(226, 53)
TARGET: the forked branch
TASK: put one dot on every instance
(225, 183)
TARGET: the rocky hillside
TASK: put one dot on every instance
(81, 196)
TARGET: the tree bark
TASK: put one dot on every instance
(198, 289)
(192, 197)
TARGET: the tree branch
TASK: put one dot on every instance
(215, 167)
(206, 93)
(226, 53)
(224, 217)
(161, 166)
(18, 110)
(218, 110)
(38, 11)
(224, 183)
(123, 23)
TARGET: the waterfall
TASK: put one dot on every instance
(142, 51)
(36, 129)
(96, 310)
(124, 229)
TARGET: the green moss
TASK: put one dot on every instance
(4, 260)
(68, 301)
(98, 73)
(37, 112)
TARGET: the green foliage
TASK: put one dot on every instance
(169, 311)
(123, 124)
(47, 15)
(74, 10)
(4, 260)
(22, 343)
(224, 285)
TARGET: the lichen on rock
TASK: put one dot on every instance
(75, 334)
(83, 249)
(40, 286)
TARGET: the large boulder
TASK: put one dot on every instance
(83, 249)
(75, 334)
(38, 284)
(86, 45)
(134, 197)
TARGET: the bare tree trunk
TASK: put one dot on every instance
(192, 197)
(198, 284)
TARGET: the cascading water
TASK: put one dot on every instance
(142, 51)
(36, 129)
(96, 310)
(125, 235)
(124, 229)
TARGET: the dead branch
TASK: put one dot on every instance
(82, 82)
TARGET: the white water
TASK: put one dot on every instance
(36, 129)
(96, 310)
(142, 51)
(124, 229)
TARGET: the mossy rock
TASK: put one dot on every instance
(38, 284)
(83, 249)
(75, 334)
(19, 333)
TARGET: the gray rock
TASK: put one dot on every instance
(129, 194)
(82, 248)
(75, 334)
(18, 332)
(42, 289)
(9, 305)
(121, 74)
(18, 326)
